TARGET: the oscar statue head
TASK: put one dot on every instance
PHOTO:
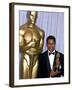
(31, 17)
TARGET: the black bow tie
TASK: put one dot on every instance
(52, 53)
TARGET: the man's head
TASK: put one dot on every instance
(31, 16)
(51, 42)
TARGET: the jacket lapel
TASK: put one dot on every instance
(48, 62)
(54, 59)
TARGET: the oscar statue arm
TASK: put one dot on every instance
(22, 44)
(31, 43)
(41, 41)
(28, 45)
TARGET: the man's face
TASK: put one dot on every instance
(51, 45)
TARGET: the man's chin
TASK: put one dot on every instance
(51, 50)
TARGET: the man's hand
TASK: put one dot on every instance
(54, 73)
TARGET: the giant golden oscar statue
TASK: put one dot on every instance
(31, 44)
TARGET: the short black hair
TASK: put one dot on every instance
(50, 37)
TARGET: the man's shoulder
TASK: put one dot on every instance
(61, 54)
(44, 53)
(42, 56)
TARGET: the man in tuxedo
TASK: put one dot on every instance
(51, 62)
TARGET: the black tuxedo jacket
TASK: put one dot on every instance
(44, 67)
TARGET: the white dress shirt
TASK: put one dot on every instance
(51, 58)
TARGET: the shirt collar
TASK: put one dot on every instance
(49, 52)
(52, 52)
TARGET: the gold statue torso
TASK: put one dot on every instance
(31, 36)
(31, 43)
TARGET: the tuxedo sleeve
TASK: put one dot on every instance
(62, 64)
